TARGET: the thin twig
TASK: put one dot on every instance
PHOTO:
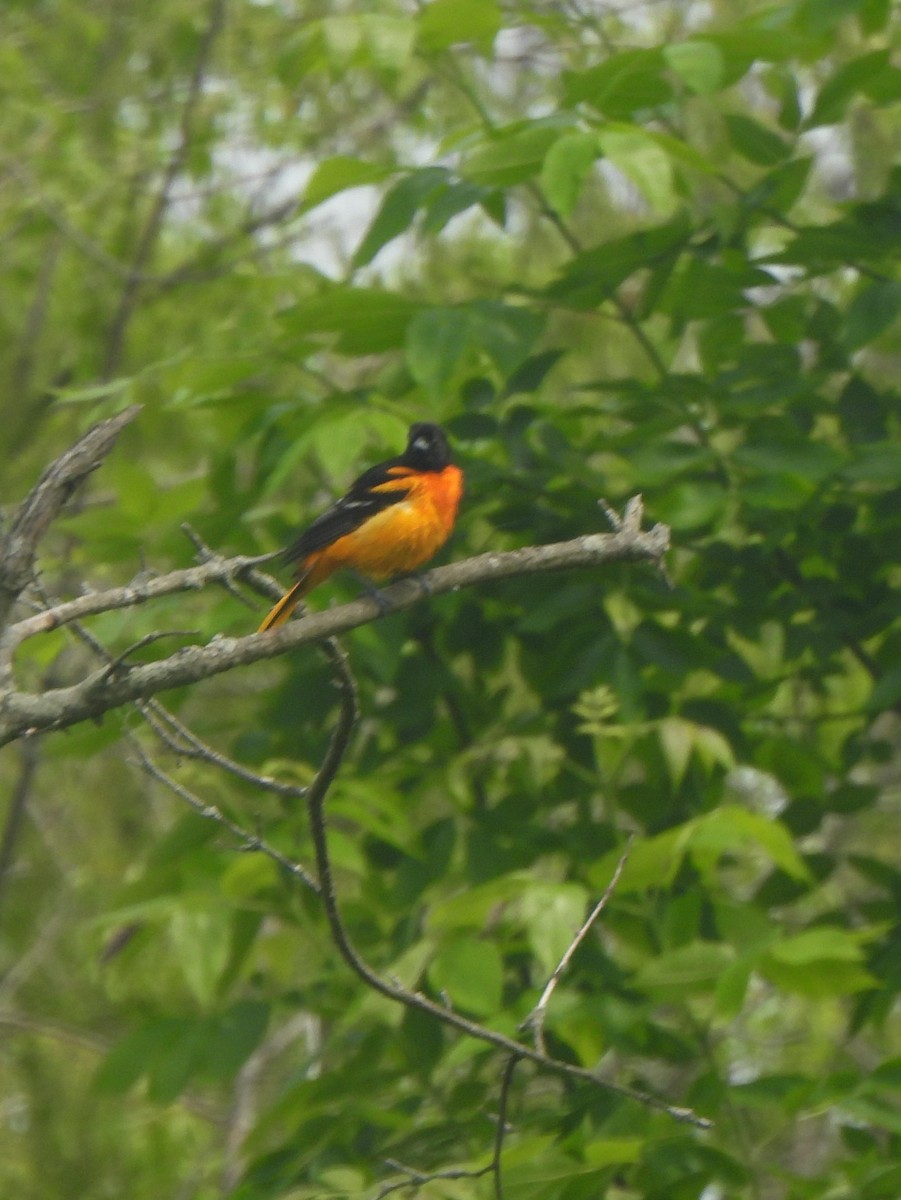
(18, 802)
(536, 1018)
(417, 1179)
(191, 746)
(210, 812)
(205, 554)
(506, 1084)
(149, 639)
(186, 744)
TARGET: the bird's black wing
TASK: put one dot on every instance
(347, 514)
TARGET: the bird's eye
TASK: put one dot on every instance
(421, 443)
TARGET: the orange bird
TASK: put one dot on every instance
(393, 519)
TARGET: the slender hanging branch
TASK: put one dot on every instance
(316, 797)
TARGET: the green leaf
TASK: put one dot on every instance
(606, 1152)
(687, 969)
(877, 1113)
(886, 692)
(754, 141)
(512, 154)
(819, 979)
(730, 829)
(809, 462)
(874, 14)
(129, 1058)
(731, 989)
(676, 741)
(552, 914)
(680, 739)
(878, 464)
(470, 972)
(851, 78)
(178, 1060)
(398, 208)
(681, 152)
(448, 202)
(532, 373)
(872, 311)
(699, 64)
(202, 940)
(626, 83)
(813, 945)
(342, 38)
(505, 332)
(690, 505)
(594, 274)
(819, 17)
(566, 166)
(536, 1169)
(653, 862)
(167, 1051)
(470, 908)
(439, 340)
(234, 1035)
(642, 160)
(339, 174)
(749, 42)
(706, 289)
(445, 23)
(389, 40)
(364, 320)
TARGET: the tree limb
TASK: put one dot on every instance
(43, 503)
(23, 713)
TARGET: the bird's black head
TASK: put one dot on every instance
(427, 447)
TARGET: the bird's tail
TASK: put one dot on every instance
(282, 611)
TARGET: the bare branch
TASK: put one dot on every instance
(181, 740)
(120, 662)
(210, 812)
(43, 503)
(142, 589)
(22, 713)
(416, 1179)
(188, 745)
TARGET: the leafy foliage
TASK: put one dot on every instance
(613, 250)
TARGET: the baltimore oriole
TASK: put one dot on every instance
(394, 518)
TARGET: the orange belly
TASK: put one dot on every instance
(399, 539)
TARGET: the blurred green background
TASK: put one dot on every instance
(645, 247)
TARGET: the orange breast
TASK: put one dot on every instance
(402, 537)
